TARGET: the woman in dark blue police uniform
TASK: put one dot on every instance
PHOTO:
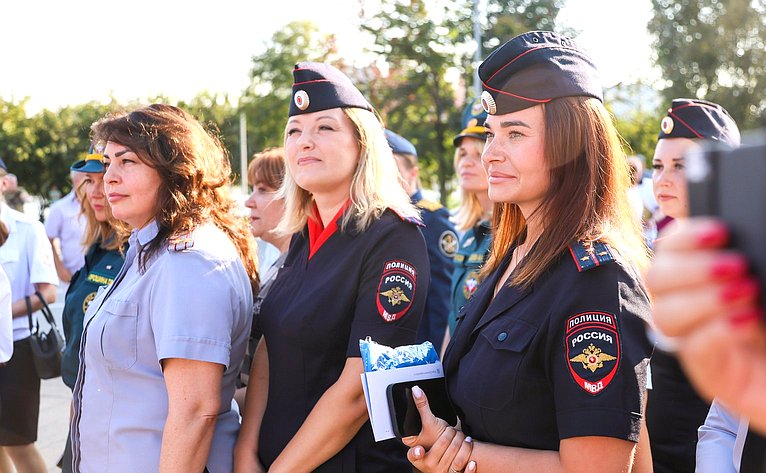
(674, 410)
(103, 260)
(356, 267)
(547, 367)
(472, 217)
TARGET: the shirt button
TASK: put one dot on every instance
(502, 336)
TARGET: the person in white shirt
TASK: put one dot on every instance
(27, 259)
(65, 224)
(6, 328)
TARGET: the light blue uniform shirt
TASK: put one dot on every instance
(721, 441)
(193, 303)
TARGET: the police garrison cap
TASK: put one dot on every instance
(399, 144)
(318, 86)
(473, 123)
(692, 118)
(535, 68)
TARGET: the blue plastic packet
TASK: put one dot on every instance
(378, 357)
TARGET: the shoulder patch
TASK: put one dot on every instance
(448, 243)
(396, 289)
(429, 205)
(593, 350)
(589, 255)
(414, 220)
(181, 241)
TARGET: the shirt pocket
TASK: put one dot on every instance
(506, 346)
(119, 336)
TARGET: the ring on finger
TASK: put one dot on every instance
(452, 470)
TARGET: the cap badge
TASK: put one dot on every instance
(488, 103)
(301, 100)
(666, 125)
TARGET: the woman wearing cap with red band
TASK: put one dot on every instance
(357, 266)
(547, 365)
(673, 431)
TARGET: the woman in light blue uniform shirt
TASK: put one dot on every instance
(162, 345)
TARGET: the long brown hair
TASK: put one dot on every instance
(195, 173)
(587, 196)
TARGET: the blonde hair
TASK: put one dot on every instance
(375, 185)
(107, 233)
(470, 211)
(585, 158)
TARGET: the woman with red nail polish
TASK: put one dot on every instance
(673, 431)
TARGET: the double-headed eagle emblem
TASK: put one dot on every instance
(395, 296)
(592, 358)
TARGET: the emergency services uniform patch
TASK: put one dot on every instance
(396, 289)
(593, 350)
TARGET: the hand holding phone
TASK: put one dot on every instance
(405, 417)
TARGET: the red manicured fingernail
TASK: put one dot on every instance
(740, 289)
(745, 317)
(714, 234)
(727, 266)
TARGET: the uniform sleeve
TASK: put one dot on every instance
(194, 309)
(392, 288)
(442, 243)
(600, 354)
(42, 269)
(717, 436)
(53, 222)
(6, 327)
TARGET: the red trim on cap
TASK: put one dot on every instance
(311, 81)
(684, 123)
(514, 95)
(512, 60)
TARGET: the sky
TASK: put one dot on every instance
(70, 52)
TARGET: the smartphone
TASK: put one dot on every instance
(405, 417)
(730, 184)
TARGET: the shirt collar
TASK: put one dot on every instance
(144, 235)
(7, 217)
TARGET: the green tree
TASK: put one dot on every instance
(416, 99)
(265, 102)
(508, 18)
(637, 112)
(714, 50)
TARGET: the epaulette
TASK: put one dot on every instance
(406, 218)
(429, 205)
(181, 241)
(588, 255)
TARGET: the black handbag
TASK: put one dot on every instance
(47, 346)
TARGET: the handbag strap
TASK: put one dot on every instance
(29, 312)
(47, 313)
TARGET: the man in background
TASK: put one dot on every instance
(65, 227)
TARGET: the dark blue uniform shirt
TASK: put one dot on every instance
(354, 286)
(442, 244)
(565, 358)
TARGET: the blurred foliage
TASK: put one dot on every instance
(714, 50)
